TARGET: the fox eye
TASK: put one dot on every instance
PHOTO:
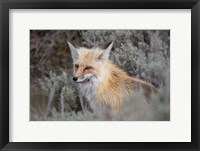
(76, 66)
(88, 68)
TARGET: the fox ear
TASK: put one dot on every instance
(105, 54)
(73, 50)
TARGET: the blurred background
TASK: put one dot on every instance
(144, 54)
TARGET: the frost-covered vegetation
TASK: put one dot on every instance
(141, 53)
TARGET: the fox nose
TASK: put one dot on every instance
(75, 78)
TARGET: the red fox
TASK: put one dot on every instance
(100, 81)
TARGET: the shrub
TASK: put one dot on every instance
(61, 89)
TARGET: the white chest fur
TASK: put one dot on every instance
(88, 89)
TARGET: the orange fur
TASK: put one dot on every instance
(118, 84)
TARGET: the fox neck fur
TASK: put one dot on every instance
(106, 88)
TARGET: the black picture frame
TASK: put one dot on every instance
(5, 5)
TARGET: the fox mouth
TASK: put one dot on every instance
(82, 81)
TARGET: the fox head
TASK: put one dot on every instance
(88, 63)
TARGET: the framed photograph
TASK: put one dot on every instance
(91, 75)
